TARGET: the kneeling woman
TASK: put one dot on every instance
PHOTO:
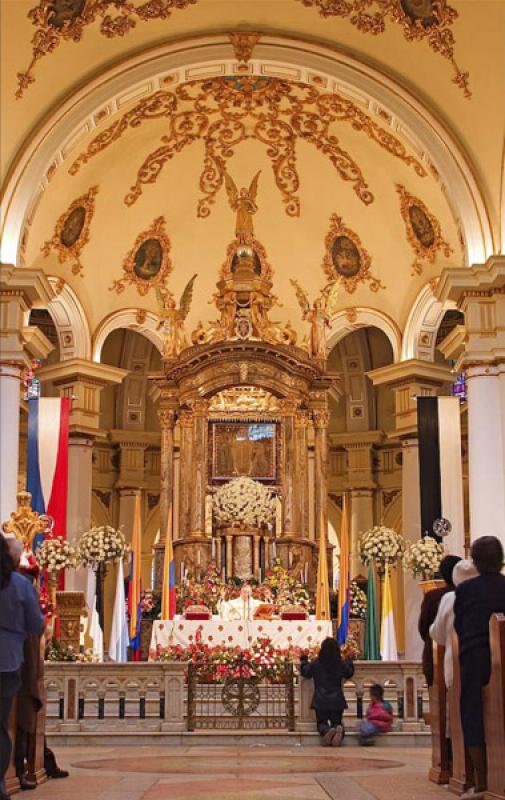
(329, 670)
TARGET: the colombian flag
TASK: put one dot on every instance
(343, 588)
(134, 586)
(47, 463)
(168, 598)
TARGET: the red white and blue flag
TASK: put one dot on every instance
(47, 465)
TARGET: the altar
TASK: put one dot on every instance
(282, 633)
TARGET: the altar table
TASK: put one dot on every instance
(283, 633)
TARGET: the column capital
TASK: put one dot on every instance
(411, 379)
(82, 381)
(479, 280)
(20, 290)
(31, 286)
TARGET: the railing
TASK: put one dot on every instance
(153, 697)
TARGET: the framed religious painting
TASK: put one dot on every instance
(71, 233)
(243, 449)
(147, 263)
(422, 229)
(346, 260)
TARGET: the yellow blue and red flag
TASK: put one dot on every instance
(168, 597)
(344, 585)
(134, 585)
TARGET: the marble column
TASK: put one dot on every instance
(321, 419)
(361, 520)
(80, 469)
(288, 466)
(199, 470)
(411, 520)
(479, 292)
(167, 425)
(302, 474)
(20, 289)
(186, 472)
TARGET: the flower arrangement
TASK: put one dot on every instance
(422, 558)
(101, 545)
(56, 554)
(150, 605)
(350, 649)
(382, 547)
(357, 601)
(206, 592)
(286, 589)
(56, 652)
(244, 502)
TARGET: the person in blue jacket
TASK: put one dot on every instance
(19, 615)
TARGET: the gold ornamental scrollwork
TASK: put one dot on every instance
(24, 523)
(243, 43)
(58, 21)
(72, 231)
(320, 418)
(428, 20)
(224, 112)
(167, 418)
(423, 230)
(345, 258)
(147, 265)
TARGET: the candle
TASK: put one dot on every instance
(274, 549)
(199, 557)
(182, 571)
(301, 576)
(306, 571)
(290, 559)
(213, 549)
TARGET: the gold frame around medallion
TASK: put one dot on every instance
(73, 251)
(156, 231)
(350, 284)
(423, 253)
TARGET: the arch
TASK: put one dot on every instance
(70, 321)
(423, 322)
(343, 323)
(144, 322)
(206, 56)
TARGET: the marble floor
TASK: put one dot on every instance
(255, 772)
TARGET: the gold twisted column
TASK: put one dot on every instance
(186, 473)
(321, 419)
(199, 470)
(302, 474)
(167, 424)
(288, 474)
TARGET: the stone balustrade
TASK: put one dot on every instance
(152, 697)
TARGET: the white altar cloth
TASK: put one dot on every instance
(283, 633)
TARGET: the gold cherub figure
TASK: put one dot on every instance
(172, 319)
(244, 203)
(318, 314)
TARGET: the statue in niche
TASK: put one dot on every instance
(172, 319)
(72, 227)
(244, 203)
(318, 315)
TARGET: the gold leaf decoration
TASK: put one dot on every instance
(224, 112)
(66, 20)
(147, 265)
(423, 230)
(72, 230)
(420, 20)
(345, 258)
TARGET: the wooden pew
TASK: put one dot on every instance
(440, 767)
(462, 772)
(11, 780)
(494, 711)
(36, 770)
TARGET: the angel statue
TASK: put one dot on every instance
(319, 315)
(244, 203)
(172, 320)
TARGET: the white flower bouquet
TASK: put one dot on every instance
(422, 558)
(244, 502)
(382, 547)
(357, 602)
(56, 554)
(101, 545)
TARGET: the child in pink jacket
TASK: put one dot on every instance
(379, 716)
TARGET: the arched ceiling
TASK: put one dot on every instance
(331, 162)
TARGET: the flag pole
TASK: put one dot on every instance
(343, 587)
(168, 590)
(322, 595)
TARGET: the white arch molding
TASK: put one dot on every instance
(70, 321)
(211, 56)
(364, 317)
(423, 322)
(128, 318)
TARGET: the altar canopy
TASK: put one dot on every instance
(282, 633)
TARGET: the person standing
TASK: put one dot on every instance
(329, 670)
(19, 615)
(429, 608)
(476, 600)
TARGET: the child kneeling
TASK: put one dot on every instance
(379, 717)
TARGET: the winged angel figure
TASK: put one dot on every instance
(244, 203)
(172, 319)
(319, 315)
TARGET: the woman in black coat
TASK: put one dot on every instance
(328, 671)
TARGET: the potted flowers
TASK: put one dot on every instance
(422, 559)
(381, 546)
(243, 503)
(54, 555)
(99, 547)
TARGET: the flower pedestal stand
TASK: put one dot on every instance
(357, 631)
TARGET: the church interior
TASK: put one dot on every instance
(252, 303)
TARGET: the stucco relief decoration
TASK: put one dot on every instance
(345, 258)
(420, 20)
(147, 265)
(66, 20)
(72, 231)
(423, 230)
(224, 112)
